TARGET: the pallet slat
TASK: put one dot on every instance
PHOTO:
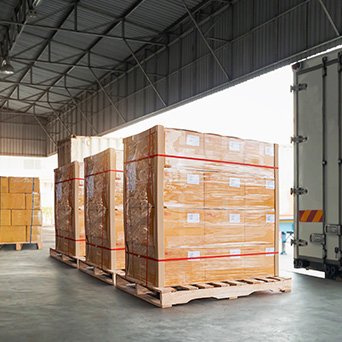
(227, 289)
(19, 245)
(65, 258)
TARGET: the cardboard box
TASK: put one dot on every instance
(26, 217)
(36, 234)
(3, 184)
(12, 201)
(69, 209)
(5, 217)
(25, 185)
(36, 201)
(104, 209)
(179, 232)
(11, 234)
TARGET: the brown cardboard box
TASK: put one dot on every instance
(12, 201)
(36, 201)
(36, 233)
(69, 209)
(25, 185)
(104, 209)
(3, 184)
(179, 233)
(26, 217)
(11, 234)
(5, 217)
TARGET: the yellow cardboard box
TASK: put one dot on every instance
(24, 217)
(23, 185)
(3, 184)
(12, 201)
(12, 234)
(28, 201)
(36, 233)
(5, 218)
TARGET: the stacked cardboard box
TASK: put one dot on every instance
(69, 209)
(198, 207)
(104, 209)
(20, 211)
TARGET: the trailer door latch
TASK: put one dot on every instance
(298, 87)
(332, 229)
(298, 139)
(299, 242)
(299, 191)
(317, 238)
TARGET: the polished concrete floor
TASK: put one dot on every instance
(42, 299)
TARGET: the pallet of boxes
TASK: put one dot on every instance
(69, 214)
(105, 250)
(201, 217)
(20, 214)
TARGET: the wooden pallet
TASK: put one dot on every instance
(104, 274)
(19, 245)
(166, 297)
(63, 257)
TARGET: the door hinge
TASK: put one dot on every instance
(299, 242)
(298, 139)
(298, 87)
(332, 229)
(317, 238)
(299, 191)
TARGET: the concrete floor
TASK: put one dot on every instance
(42, 299)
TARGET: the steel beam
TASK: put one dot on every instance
(331, 21)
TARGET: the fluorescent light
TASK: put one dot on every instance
(6, 68)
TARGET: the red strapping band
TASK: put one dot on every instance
(99, 173)
(202, 257)
(67, 238)
(68, 180)
(202, 159)
(108, 249)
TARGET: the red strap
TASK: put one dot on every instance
(201, 159)
(201, 257)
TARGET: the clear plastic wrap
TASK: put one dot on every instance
(69, 209)
(104, 209)
(198, 207)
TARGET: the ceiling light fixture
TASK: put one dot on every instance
(6, 67)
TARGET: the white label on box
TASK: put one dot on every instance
(270, 250)
(234, 218)
(59, 191)
(192, 140)
(90, 186)
(131, 176)
(269, 151)
(234, 145)
(236, 252)
(234, 182)
(270, 218)
(193, 218)
(194, 254)
(192, 179)
(269, 184)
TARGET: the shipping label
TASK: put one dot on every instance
(234, 182)
(236, 252)
(234, 145)
(193, 217)
(90, 186)
(270, 218)
(131, 176)
(194, 254)
(269, 150)
(192, 179)
(269, 184)
(234, 218)
(192, 140)
(59, 191)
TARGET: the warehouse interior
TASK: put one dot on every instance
(115, 69)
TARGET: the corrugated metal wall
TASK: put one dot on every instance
(247, 37)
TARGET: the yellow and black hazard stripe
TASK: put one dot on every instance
(310, 215)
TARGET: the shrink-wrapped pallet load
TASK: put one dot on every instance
(199, 207)
(20, 212)
(104, 209)
(69, 209)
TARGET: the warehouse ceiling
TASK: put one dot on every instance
(87, 67)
